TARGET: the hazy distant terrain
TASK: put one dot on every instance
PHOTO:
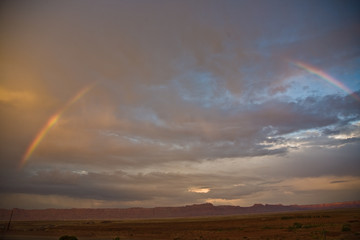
(206, 209)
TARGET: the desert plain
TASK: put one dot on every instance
(316, 224)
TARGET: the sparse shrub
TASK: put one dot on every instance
(66, 237)
(117, 238)
(297, 225)
(346, 228)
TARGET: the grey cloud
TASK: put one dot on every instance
(333, 182)
(122, 186)
(203, 134)
(338, 161)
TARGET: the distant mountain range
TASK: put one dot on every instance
(196, 210)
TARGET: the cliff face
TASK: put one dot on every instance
(206, 209)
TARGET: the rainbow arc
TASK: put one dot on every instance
(320, 73)
(50, 123)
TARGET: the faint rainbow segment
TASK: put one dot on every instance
(311, 69)
(50, 123)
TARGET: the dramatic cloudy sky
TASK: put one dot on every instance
(168, 103)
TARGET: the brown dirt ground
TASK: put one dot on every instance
(323, 224)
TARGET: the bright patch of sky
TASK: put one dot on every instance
(199, 190)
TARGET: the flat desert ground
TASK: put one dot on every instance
(319, 224)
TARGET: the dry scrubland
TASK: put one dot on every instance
(321, 224)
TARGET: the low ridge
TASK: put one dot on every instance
(196, 210)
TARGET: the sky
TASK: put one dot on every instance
(117, 104)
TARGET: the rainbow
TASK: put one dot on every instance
(311, 69)
(50, 123)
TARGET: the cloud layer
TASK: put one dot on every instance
(192, 102)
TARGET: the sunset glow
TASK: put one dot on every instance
(199, 190)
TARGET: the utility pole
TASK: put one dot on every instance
(8, 226)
